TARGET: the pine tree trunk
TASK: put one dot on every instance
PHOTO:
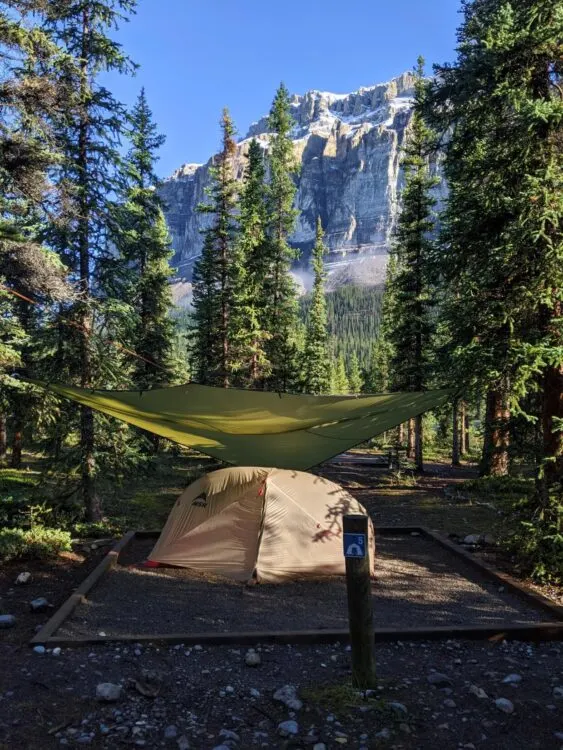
(467, 442)
(552, 411)
(401, 435)
(16, 458)
(87, 437)
(3, 437)
(418, 436)
(462, 410)
(410, 439)
(494, 460)
(455, 434)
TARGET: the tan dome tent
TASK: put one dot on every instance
(271, 524)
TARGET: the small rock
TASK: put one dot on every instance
(254, 693)
(472, 539)
(288, 695)
(512, 679)
(478, 692)
(39, 605)
(399, 708)
(23, 578)
(384, 734)
(222, 747)
(170, 732)
(288, 728)
(39, 649)
(438, 679)
(504, 705)
(252, 658)
(449, 703)
(319, 746)
(558, 692)
(183, 743)
(107, 692)
(7, 621)
(228, 734)
(57, 651)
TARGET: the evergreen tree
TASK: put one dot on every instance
(501, 103)
(316, 362)
(412, 327)
(355, 380)
(339, 379)
(143, 242)
(88, 132)
(219, 276)
(31, 92)
(279, 287)
(253, 221)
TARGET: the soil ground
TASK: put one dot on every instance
(209, 697)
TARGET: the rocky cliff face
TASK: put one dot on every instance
(348, 147)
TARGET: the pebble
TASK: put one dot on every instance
(478, 692)
(39, 649)
(39, 605)
(288, 696)
(558, 692)
(319, 746)
(449, 703)
(23, 578)
(57, 651)
(288, 728)
(228, 734)
(512, 679)
(222, 747)
(183, 743)
(504, 705)
(254, 693)
(472, 539)
(399, 708)
(252, 658)
(7, 621)
(108, 692)
(438, 679)
(384, 734)
(170, 732)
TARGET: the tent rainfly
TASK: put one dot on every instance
(257, 428)
(270, 525)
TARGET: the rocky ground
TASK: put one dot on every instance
(428, 695)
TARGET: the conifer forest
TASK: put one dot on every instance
(472, 299)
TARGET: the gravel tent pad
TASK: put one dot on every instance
(418, 583)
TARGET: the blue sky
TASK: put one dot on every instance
(197, 56)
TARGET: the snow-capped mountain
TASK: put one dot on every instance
(348, 147)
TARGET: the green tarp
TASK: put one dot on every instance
(257, 428)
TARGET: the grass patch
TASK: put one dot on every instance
(341, 698)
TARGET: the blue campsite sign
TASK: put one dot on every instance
(355, 545)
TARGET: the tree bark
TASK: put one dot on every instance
(552, 434)
(401, 435)
(462, 411)
(418, 435)
(455, 433)
(467, 442)
(410, 439)
(3, 437)
(16, 457)
(494, 460)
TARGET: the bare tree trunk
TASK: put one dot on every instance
(16, 458)
(462, 410)
(494, 460)
(401, 435)
(3, 437)
(467, 442)
(418, 435)
(410, 439)
(455, 434)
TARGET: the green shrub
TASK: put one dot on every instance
(97, 530)
(39, 542)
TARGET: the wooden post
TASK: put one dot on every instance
(360, 613)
